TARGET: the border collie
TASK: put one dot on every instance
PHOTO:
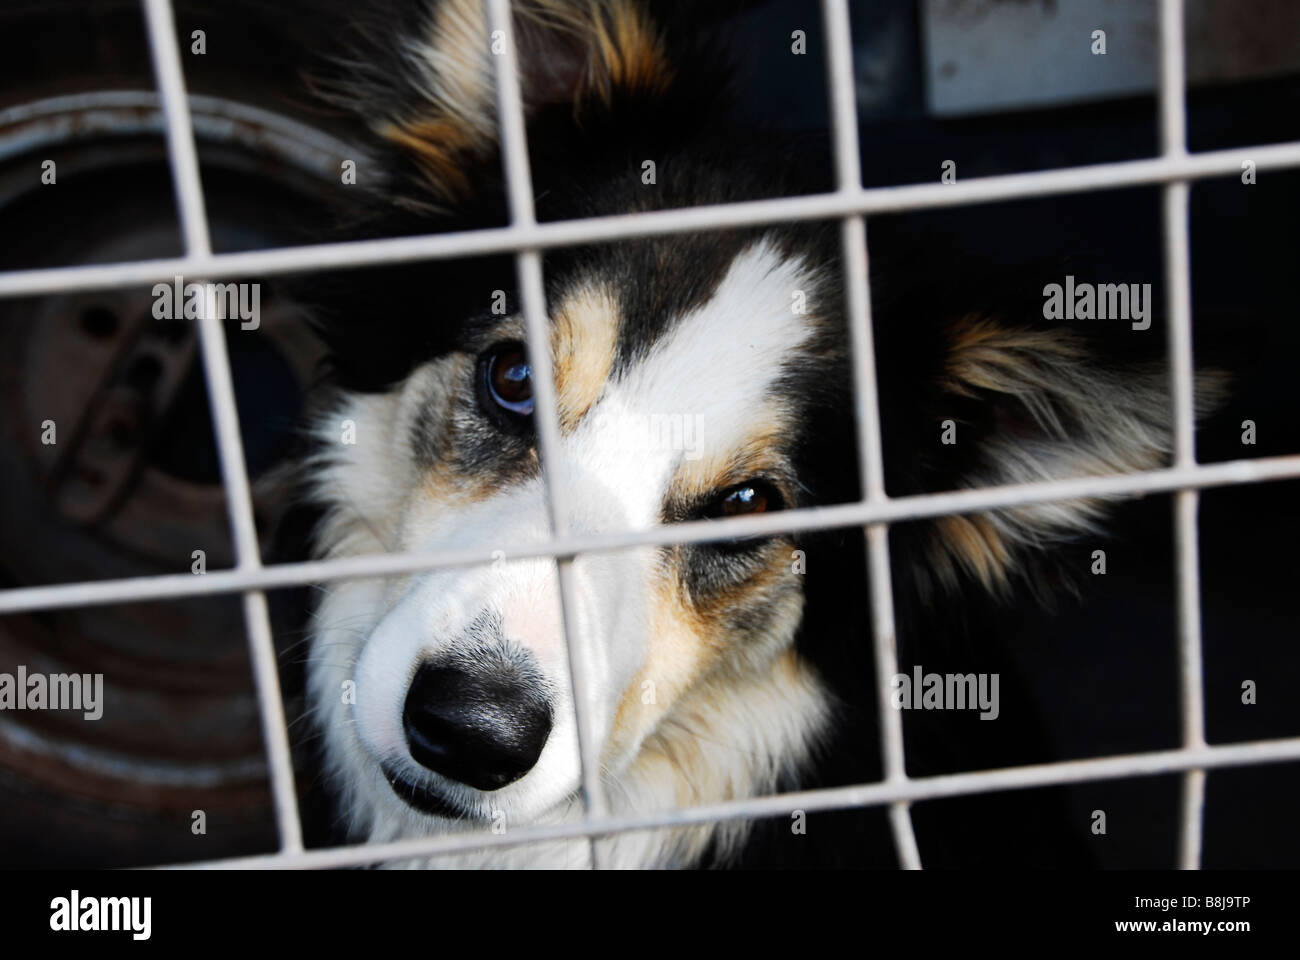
(698, 376)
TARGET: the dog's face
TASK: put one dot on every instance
(686, 372)
(463, 700)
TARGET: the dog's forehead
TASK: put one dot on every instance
(716, 351)
(700, 403)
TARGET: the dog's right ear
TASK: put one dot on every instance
(427, 86)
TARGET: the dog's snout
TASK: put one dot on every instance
(483, 728)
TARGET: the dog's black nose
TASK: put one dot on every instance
(484, 729)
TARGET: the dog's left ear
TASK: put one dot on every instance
(1015, 403)
(432, 95)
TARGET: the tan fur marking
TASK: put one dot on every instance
(439, 148)
(678, 642)
(749, 592)
(1089, 419)
(721, 742)
(583, 340)
(975, 543)
(439, 484)
(631, 52)
(445, 487)
(984, 355)
(694, 776)
(691, 645)
(692, 763)
(750, 455)
(620, 46)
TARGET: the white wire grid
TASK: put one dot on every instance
(1174, 169)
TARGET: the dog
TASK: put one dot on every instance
(698, 377)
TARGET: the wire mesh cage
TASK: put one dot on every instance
(249, 578)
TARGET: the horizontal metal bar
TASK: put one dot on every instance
(833, 798)
(822, 206)
(172, 586)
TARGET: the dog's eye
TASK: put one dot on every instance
(507, 379)
(754, 496)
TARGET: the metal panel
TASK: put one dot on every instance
(988, 55)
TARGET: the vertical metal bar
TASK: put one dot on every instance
(1190, 680)
(225, 417)
(853, 231)
(530, 275)
(1173, 134)
(1173, 109)
(275, 731)
(514, 149)
(180, 132)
